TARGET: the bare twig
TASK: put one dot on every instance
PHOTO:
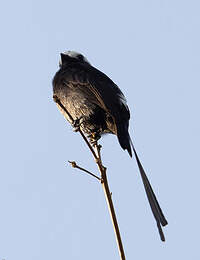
(97, 156)
(57, 100)
(107, 193)
(74, 165)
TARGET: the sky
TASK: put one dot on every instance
(49, 210)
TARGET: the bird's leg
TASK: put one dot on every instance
(77, 123)
(94, 137)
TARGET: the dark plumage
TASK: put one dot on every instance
(98, 106)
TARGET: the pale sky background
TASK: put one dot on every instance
(48, 210)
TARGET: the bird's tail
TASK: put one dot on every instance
(123, 137)
(126, 144)
(155, 207)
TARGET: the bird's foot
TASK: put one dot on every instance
(93, 138)
(76, 124)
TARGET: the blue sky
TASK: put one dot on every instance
(51, 211)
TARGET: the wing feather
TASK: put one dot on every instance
(109, 96)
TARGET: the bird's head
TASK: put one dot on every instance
(72, 56)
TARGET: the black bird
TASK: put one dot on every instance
(98, 106)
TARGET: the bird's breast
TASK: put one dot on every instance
(76, 101)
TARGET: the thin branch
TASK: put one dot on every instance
(57, 100)
(74, 165)
(104, 181)
(107, 193)
(88, 144)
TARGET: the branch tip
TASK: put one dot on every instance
(73, 164)
(103, 179)
(55, 98)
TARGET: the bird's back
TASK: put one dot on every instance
(88, 93)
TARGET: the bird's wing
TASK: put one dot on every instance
(108, 96)
(102, 91)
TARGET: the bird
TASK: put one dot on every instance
(89, 99)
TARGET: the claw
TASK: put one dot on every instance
(94, 137)
(76, 124)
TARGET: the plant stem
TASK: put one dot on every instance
(97, 156)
